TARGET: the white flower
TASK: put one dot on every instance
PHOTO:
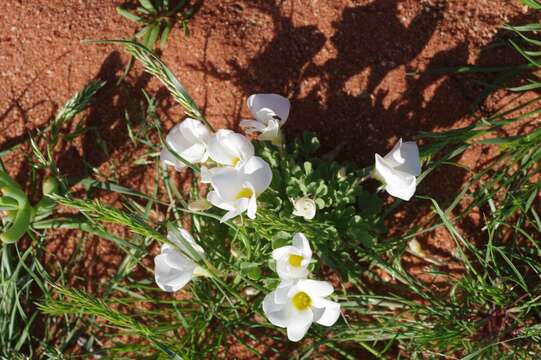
(398, 169)
(270, 112)
(236, 189)
(292, 261)
(188, 139)
(295, 305)
(174, 268)
(304, 207)
(227, 147)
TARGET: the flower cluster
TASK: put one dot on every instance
(297, 302)
(239, 176)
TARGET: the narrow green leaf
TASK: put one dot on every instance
(128, 15)
(165, 34)
(147, 4)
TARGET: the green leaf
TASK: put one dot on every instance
(154, 34)
(142, 32)
(307, 167)
(252, 270)
(128, 15)
(281, 238)
(534, 4)
(165, 34)
(369, 204)
(90, 183)
(310, 142)
(320, 203)
(322, 189)
(528, 87)
(147, 4)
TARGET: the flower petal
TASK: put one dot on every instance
(188, 140)
(243, 147)
(277, 314)
(279, 104)
(286, 271)
(299, 324)
(279, 253)
(168, 278)
(405, 190)
(227, 183)
(229, 148)
(316, 288)
(252, 207)
(176, 259)
(191, 241)
(397, 183)
(281, 293)
(258, 173)
(239, 207)
(216, 148)
(207, 174)
(271, 131)
(194, 131)
(405, 157)
(304, 207)
(176, 140)
(167, 158)
(301, 242)
(214, 198)
(264, 115)
(194, 154)
(330, 314)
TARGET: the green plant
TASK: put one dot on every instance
(488, 308)
(23, 277)
(489, 311)
(157, 18)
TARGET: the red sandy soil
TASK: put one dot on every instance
(344, 65)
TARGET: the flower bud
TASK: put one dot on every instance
(341, 174)
(304, 207)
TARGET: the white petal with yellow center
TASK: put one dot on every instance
(295, 305)
(292, 260)
(235, 189)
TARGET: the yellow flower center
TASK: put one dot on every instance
(301, 300)
(295, 260)
(235, 161)
(244, 193)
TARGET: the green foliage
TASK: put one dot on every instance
(346, 214)
(489, 308)
(157, 18)
(20, 213)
